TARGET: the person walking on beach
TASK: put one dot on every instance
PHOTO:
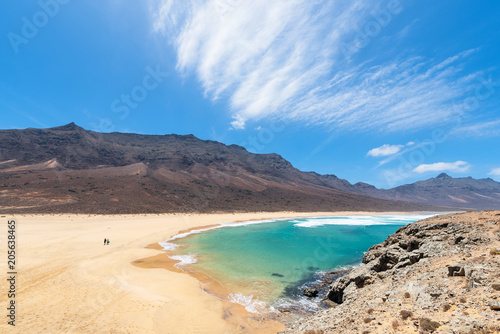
(105, 241)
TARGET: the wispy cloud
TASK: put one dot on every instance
(458, 166)
(384, 150)
(391, 152)
(495, 172)
(284, 59)
(482, 129)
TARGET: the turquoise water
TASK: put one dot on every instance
(270, 261)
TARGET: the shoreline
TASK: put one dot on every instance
(217, 289)
(67, 273)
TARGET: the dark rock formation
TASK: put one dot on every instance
(310, 292)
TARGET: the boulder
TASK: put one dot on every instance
(494, 305)
(310, 292)
(360, 277)
(373, 253)
(414, 256)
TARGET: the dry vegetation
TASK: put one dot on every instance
(405, 314)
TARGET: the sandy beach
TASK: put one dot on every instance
(69, 282)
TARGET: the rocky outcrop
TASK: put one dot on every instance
(404, 248)
(440, 274)
(310, 292)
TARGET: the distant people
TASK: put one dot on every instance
(105, 241)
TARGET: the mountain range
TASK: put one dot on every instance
(70, 169)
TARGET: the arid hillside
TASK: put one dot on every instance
(70, 169)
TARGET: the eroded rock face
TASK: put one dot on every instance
(406, 247)
(360, 276)
(400, 250)
(445, 269)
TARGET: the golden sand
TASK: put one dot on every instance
(69, 282)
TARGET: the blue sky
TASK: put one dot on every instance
(383, 92)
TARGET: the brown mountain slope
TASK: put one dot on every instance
(441, 190)
(445, 190)
(70, 169)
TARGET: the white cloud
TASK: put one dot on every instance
(396, 96)
(284, 59)
(385, 150)
(495, 172)
(458, 166)
(389, 150)
(482, 129)
(238, 123)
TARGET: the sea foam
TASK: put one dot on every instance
(357, 220)
(250, 303)
(168, 245)
(184, 259)
(196, 231)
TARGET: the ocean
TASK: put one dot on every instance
(266, 264)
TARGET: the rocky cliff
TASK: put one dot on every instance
(441, 275)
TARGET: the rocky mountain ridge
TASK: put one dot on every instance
(444, 190)
(70, 169)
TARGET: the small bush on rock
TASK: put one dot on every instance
(405, 314)
(427, 324)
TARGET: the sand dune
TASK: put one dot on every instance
(50, 164)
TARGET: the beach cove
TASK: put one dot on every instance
(70, 282)
(265, 265)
